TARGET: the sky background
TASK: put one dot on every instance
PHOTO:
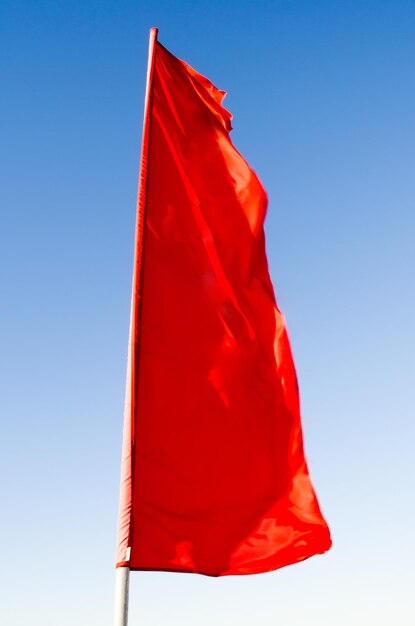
(323, 98)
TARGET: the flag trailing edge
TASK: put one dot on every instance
(214, 478)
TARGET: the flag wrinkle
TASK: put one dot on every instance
(207, 237)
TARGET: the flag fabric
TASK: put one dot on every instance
(214, 479)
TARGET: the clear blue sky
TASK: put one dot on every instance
(323, 97)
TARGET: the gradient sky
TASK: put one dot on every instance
(323, 98)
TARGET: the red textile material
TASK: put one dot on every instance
(214, 476)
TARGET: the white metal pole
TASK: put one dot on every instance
(122, 574)
(122, 579)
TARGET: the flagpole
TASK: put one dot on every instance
(122, 573)
(122, 580)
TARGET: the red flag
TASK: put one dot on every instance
(214, 479)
